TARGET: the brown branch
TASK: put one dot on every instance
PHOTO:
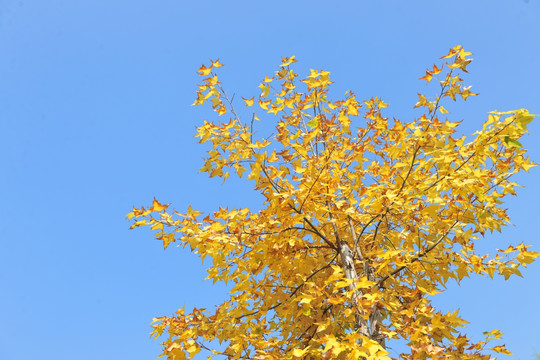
(316, 231)
(314, 182)
(298, 287)
(419, 256)
(465, 161)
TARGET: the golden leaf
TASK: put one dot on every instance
(249, 102)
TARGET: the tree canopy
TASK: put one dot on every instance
(364, 219)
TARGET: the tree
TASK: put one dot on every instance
(363, 221)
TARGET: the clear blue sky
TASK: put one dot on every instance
(95, 117)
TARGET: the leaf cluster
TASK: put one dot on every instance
(364, 218)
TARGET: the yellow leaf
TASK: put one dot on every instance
(249, 102)
(501, 349)
(192, 348)
(493, 334)
(299, 352)
(216, 63)
(452, 52)
(373, 347)
(306, 300)
(527, 257)
(421, 102)
(139, 223)
(333, 345)
(157, 226)
(221, 110)
(167, 239)
(287, 61)
(156, 206)
(216, 102)
(203, 70)
(264, 104)
(523, 118)
(344, 283)
(265, 89)
(427, 77)
(193, 213)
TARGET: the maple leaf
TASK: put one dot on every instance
(286, 61)
(203, 70)
(501, 349)
(216, 63)
(249, 102)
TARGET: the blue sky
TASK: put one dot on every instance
(96, 116)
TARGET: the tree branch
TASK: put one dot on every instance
(419, 256)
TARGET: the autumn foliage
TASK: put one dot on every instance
(365, 218)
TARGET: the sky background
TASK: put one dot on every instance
(96, 117)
